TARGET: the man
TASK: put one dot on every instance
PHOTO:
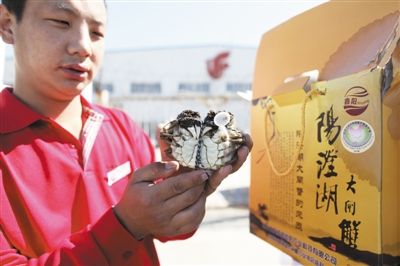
(78, 180)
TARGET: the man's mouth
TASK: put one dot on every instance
(75, 71)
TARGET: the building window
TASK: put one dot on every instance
(235, 87)
(194, 87)
(145, 88)
(98, 86)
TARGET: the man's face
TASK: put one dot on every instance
(59, 46)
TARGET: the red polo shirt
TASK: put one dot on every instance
(56, 192)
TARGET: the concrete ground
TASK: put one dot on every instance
(224, 237)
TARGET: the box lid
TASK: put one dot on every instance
(307, 41)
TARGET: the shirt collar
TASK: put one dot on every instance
(16, 115)
(92, 108)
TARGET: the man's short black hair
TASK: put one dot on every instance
(16, 7)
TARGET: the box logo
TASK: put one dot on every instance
(357, 136)
(356, 100)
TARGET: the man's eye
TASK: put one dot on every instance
(98, 34)
(60, 22)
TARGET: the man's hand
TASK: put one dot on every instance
(172, 207)
(218, 176)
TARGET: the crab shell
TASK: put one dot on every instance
(201, 144)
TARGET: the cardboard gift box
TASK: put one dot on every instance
(325, 168)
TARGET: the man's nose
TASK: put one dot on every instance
(80, 42)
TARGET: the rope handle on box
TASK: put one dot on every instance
(303, 127)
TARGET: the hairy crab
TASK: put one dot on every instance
(208, 144)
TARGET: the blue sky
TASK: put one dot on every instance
(138, 24)
(142, 24)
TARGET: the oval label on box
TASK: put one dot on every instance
(357, 136)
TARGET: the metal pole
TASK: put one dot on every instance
(88, 92)
(2, 61)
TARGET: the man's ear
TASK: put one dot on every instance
(6, 25)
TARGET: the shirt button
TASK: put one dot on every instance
(127, 254)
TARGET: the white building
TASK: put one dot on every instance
(155, 85)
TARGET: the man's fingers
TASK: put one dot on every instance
(249, 141)
(190, 218)
(216, 178)
(176, 185)
(180, 202)
(242, 154)
(154, 171)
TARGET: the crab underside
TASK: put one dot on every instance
(208, 144)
